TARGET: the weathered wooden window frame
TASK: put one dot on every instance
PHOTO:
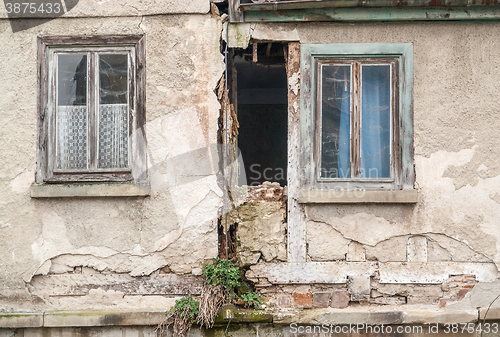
(312, 55)
(134, 46)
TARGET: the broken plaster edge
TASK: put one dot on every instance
(389, 272)
(353, 197)
(88, 190)
(385, 314)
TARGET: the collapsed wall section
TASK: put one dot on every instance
(432, 252)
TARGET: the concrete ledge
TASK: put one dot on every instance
(376, 316)
(99, 318)
(244, 316)
(429, 316)
(88, 190)
(381, 315)
(493, 313)
(21, 320)
(354, 197)
(401, 314)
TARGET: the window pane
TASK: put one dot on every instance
(335, 121)
(376, 121)
(113, 111)
(71, 137)
(113, 78)
(72, 79)
(71, 112)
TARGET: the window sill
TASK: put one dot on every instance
(355, 197)
(88, 190)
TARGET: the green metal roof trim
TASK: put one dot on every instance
(391, 14)
(301, 4)
(371, 10)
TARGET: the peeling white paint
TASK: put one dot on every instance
(21, 183)
(53, 240)
(294, 83)
(367, 228)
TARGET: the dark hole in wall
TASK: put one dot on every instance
(262, 113)
(222, 7)
(231, 239)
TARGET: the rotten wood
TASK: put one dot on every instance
(255, 48)
(138, 142)
(231, 244)
(90, 40)
(268, 49)
(42, 144)
(296, 240)
(234, 11)
(89, 177)
(396, 126)
(356, 121)
(214, 10)
(92, 110)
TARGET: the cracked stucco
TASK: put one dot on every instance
(127, 8)
(177, 225)
(457, 174)
(455, 127)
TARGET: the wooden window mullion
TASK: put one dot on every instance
(356, 122)
(93, 86)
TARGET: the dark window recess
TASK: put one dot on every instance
(262, 113)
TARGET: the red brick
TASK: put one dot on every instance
(321, 299)
(340, 299)
(303, 300)
(461, 294)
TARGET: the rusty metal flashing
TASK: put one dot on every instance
(372, 14)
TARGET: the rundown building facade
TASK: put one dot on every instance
(361, 163)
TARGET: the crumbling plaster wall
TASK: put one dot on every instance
(457, 172)
(128, 8)
(175, 226)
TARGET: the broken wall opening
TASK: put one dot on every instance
(261, 86)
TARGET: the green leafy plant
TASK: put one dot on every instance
(221, 272)
(187, 309)
(182, 316)
(217, 274)
(252, 300)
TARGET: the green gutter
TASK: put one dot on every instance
(388, 14)
(286, 5)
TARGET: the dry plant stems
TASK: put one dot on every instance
(218, 274)
(180, 324)
(182, 316)
(212, 299)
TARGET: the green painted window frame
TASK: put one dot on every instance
(310, 53)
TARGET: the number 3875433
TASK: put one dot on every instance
(33, 8)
